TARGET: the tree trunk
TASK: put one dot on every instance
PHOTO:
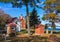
(52, 31)
(53, 26)
(46, 31)
(27, 12)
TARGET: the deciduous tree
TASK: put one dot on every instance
(3, 19)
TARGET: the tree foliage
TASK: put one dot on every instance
(3, 19)
(6, 1)
(49, 16)
(46, 26)
(51, 9)
(34, 18)
(52, 5)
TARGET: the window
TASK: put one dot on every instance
(13, 28)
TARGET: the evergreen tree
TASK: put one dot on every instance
(34, 20)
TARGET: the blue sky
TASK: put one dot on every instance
(16, 12)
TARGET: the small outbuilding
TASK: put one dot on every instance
(39, 29)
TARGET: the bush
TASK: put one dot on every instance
(1, 40)
(56, 32)
(12, 35)
(32, 32)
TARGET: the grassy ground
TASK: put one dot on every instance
(27, 38)
(24, 31)
(23, 37)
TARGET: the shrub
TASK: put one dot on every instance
(12, 35)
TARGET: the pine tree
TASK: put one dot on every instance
(34, 18)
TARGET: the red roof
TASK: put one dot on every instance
(12, 24)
